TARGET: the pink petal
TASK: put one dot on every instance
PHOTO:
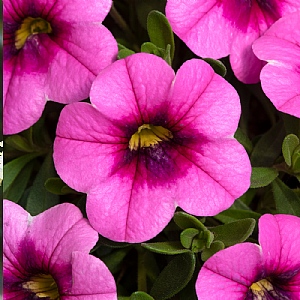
(218, 174)
(229, 273)
(201, 97)
(193, 22)
(279, 237)
(89, 133)
(281, 77)
(14, 233)
(145, 82)
(91, 279)
(92, 45)
(56, 243)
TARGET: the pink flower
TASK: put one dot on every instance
(280, 78)
(53, 50)
(152, 141)
(47, 256)
(217, 28)
(249, 271)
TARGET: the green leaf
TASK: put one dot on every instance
(231, 215)
(296, 160)
(170, 248)
(17, 188)
(268, 148)
(149, 47)
(160, 31)
(56, 186)
(115, 259)
(174, 277)
(18, 142)
(187, 236)
(124, 53)
(39, 199)
(184, 220)
(217, 65)
(14, 167)
(289, 145)
(234, 232)
(261, 177)
(243, 139)
(214, 248)
(287, 202)
(141, 296)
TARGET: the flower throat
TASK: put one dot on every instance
(30, 26)
(149, 135)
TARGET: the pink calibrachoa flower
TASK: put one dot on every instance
(53, 50)
(217, 28)
(152, 141)
(47, 256)
(249, 271)
(280, 78)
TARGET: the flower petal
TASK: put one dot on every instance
(219, 172)
(56, 243)
(229, 273)
(279, 237)
(146, 80)
(204, 99)
(91, 279)
(14, 233)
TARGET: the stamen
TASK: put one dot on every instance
(43, 286)
(264, 289)
(149, 135)
(29, 27)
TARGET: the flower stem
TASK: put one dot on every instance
(142, 274)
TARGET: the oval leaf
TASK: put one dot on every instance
(214, 248)
(187, 236)
(160, 31)
(140, 296)
(217, 65)
(287, 202)
(289, 145)
(174, 277)
(184, 220)
(234, 232)
(261, 177)
(170, 248)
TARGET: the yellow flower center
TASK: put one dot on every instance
(29, 27)
(149, 135)
(43, 286)
(261, 288)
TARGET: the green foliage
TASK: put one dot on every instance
(174, 277)
(140, 296)
(217, 65)
(170, 248)
(261, 177)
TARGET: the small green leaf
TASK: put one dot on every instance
(17, 188)
(160, 31)
(234, 232)
(217, 65)
(261, 177)
(287, 202)
(289, 145)
(18, 142)
(58, 187)
(268, 148)
(174, 277)
(187, 236)
(296, 160)
(231, 215)
(214, 248)
(14, 167)
(149, 47)
(170, 248)
(184, 220)
(39, 199)
(124, 53)
(243, 139)
(141, 296)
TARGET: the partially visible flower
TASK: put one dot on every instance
(53, 50)
(249, 271)
(152, 141)
(47, 256)
(280, 78)
(217, 28)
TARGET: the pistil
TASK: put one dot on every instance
(149, 135)
(30, 26)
